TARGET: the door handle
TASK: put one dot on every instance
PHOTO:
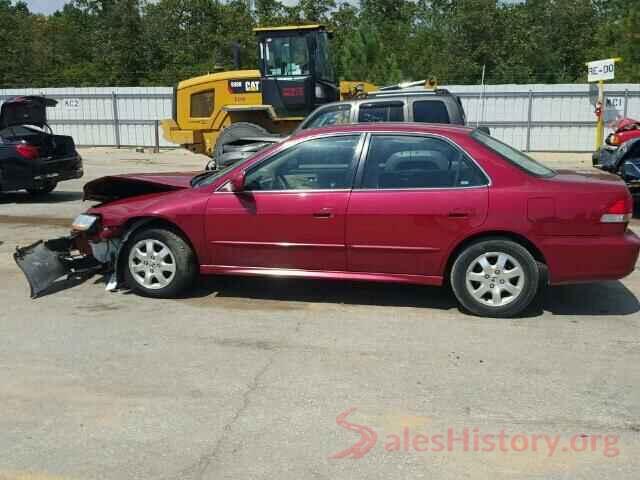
(461, 213)
(324, 213)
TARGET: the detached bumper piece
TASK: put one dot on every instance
(45, 262)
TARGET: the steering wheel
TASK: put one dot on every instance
(279, 180)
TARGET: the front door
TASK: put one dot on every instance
(292, 212)
(416, 195)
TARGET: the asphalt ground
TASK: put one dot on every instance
(249, 378)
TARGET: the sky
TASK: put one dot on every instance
(50, 6)
(45, 6)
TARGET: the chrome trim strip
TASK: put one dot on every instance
(289, 192)
(395, 248)
(232, 243)
(291, 143)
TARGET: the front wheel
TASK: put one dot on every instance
(495, 278)
(159, 263)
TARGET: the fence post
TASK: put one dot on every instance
(116, 120)
(157, 132)
(529, 114)
(626, 102)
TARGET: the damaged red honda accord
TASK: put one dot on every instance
(408, 203)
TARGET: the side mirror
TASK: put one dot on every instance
(237, 181)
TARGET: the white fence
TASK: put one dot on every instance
(107, 116)
(546, 117)
(530, 117)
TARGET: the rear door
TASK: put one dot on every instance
(415, 196)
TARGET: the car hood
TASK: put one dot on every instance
(28, 110)
(116, 187)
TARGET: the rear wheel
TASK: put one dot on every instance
(43, 189)
(159, 263)
(495, 278)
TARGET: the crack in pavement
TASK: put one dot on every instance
(197, 470)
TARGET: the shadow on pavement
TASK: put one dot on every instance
(599, 298)
(53, 197)
(592, 299)
(321, 291)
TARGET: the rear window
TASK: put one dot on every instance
(525, 162)
(381, 112)
(430, 111)
(202, 104)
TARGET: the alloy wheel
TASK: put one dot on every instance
(152, 264)
(495, 279)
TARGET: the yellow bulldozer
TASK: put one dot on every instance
(294, 76)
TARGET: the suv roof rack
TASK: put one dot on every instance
(390, 92)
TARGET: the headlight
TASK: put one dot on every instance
(84, 222)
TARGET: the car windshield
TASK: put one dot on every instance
(525, 162)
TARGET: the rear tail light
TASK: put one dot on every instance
(614, 139)
(27, 151)
(619, 211)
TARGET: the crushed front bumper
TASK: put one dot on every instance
(46, 262)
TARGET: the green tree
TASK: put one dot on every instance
(16, 61)
(618, 35)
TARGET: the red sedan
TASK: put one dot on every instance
(409, 203)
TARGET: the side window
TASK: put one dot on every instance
(202, 104)
(398, 162)
(319, 164)
(430, 111)
(381, 112)
(330, 116)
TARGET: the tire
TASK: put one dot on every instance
(43, 190)
(509, 269)
(175, 280)
(232, 133)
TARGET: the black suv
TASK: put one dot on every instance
(390, 104)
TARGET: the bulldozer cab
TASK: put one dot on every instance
(295, 68)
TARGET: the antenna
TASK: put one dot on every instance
(481, 113)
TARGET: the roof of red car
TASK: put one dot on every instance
(437, 128)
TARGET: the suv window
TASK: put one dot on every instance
(430, 111)
(381, 112)
(202, 104)
(319, 164)
(336, 115)
(404, 161)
